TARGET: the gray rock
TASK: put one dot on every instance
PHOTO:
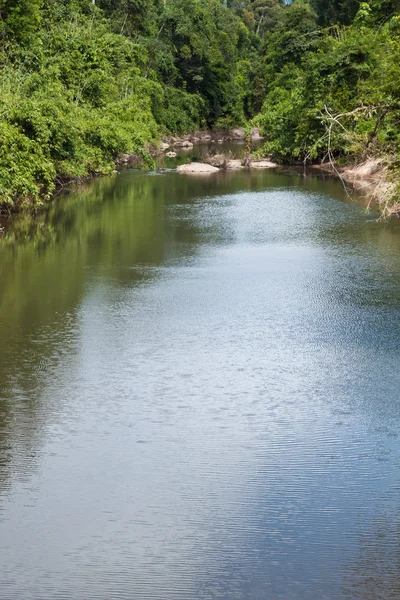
(234, 163)
(255, 135)
(184, 144)
(238, 134)
(219, 160)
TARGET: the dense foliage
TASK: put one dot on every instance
(80, 83)
(332, 80)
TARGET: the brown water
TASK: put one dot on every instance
(199, 393)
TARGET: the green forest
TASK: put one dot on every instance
(83, 81)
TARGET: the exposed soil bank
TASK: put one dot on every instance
(372, 179)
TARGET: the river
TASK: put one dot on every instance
(199, 393)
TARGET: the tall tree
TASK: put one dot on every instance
(331, 12)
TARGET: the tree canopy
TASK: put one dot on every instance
(81, 83)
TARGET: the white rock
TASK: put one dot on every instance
(171, 154)
(262, 164)
(184, 144)
(194, 167)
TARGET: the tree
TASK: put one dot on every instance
(20, 19)
(332, 12)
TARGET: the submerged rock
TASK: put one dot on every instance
(197, 168)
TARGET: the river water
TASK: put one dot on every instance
(199, 393)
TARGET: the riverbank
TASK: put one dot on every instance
(32, 198)
(374, 179)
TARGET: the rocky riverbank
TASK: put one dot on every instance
(170, 145)
(223, 164)
(201, 137)
(374, 180)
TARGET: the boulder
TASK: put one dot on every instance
(238, 134)
(197, 168)
(183, 144)
(219, 161)
(171, 154)
(234, 163)
(164, 146)
(124, 159)
(255, 135)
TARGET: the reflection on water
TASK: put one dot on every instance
(199, 393)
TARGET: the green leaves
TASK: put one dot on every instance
(320, 80)
(82, 83)
(20, 19)
(26, 174)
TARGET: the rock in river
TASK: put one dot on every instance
(262, 164)
(184, 144)
(196, 168)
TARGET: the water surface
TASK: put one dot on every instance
(199, 393)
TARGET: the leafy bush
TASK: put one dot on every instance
(26, 174)
(81, 84)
